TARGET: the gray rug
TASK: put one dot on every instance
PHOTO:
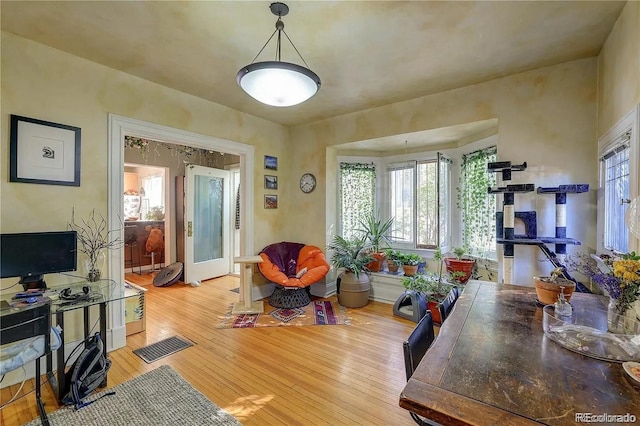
(159, 397)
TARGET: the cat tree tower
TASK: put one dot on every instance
(505, 221)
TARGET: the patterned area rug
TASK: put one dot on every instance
(159, 397)
(318, 312)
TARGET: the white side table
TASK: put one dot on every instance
(245, 305)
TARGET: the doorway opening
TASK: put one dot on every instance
(119, 127)
(147, 235)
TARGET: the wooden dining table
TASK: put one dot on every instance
(491, 364)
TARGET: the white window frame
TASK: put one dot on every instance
(608, 142)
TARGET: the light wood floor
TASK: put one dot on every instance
(317, 375)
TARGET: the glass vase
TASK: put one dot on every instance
(621, 322)
(93, 267)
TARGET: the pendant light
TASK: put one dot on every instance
(278, 83)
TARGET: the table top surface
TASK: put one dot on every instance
(101, 291)
(492, 364)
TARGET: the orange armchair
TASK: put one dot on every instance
(292, 267)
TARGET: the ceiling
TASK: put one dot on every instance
(367, 53)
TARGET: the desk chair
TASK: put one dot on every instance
(447, 304)
(28, 331)
(414, 349)
(131, 243)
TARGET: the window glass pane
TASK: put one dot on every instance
(401, 184)
(616, 189)
(153, 193)
(444, 185)
(477, 205)
(427, 200)
(208, 218)
(357, 195)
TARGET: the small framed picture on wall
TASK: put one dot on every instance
(270, 163)
(270, 201)
(43, 152)
(270, 182)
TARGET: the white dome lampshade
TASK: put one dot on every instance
(277, 83)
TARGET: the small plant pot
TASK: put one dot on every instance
(434, 308)
(460, 265)
(548, 291)
(392, 266)
(376, 264)
(410, 270)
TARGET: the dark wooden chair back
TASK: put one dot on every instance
(417, 343)
(447, 304)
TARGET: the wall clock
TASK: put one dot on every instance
(307, 183)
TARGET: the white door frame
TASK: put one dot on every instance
(119, 127)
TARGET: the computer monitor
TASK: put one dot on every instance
(32, 255)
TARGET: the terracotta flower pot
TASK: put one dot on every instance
(392, 266)
(410, 270)
(548, 291)
(460, 265)
(435, 311)
(376, 264)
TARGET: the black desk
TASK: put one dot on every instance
(23, 322)
(100, 293)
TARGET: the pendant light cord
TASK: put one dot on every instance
(280, 29)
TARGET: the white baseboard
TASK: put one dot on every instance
(385, 288)
(324, 288)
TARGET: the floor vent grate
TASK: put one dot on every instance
(162, 348)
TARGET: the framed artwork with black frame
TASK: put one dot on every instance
(270, 163)
(270, 182)
(270, 201)
(44, 152)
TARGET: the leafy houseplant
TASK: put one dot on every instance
(376, 232)
(394, 259)
(353, 284)
(410, 262)
(93, 237)
(459, 266)
(431, 287)
(155, 213)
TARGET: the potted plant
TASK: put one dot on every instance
(93, 238)
(410, 262)
(155, 213)
(376, 233)
(394, 260)
(425, 292)
(460, 266)
(548, 288)
(353, 284)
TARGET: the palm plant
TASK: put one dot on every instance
(375, 230)
(351, 254)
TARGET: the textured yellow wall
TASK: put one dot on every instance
(44, 83)
(545, 117)
(619, 69)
